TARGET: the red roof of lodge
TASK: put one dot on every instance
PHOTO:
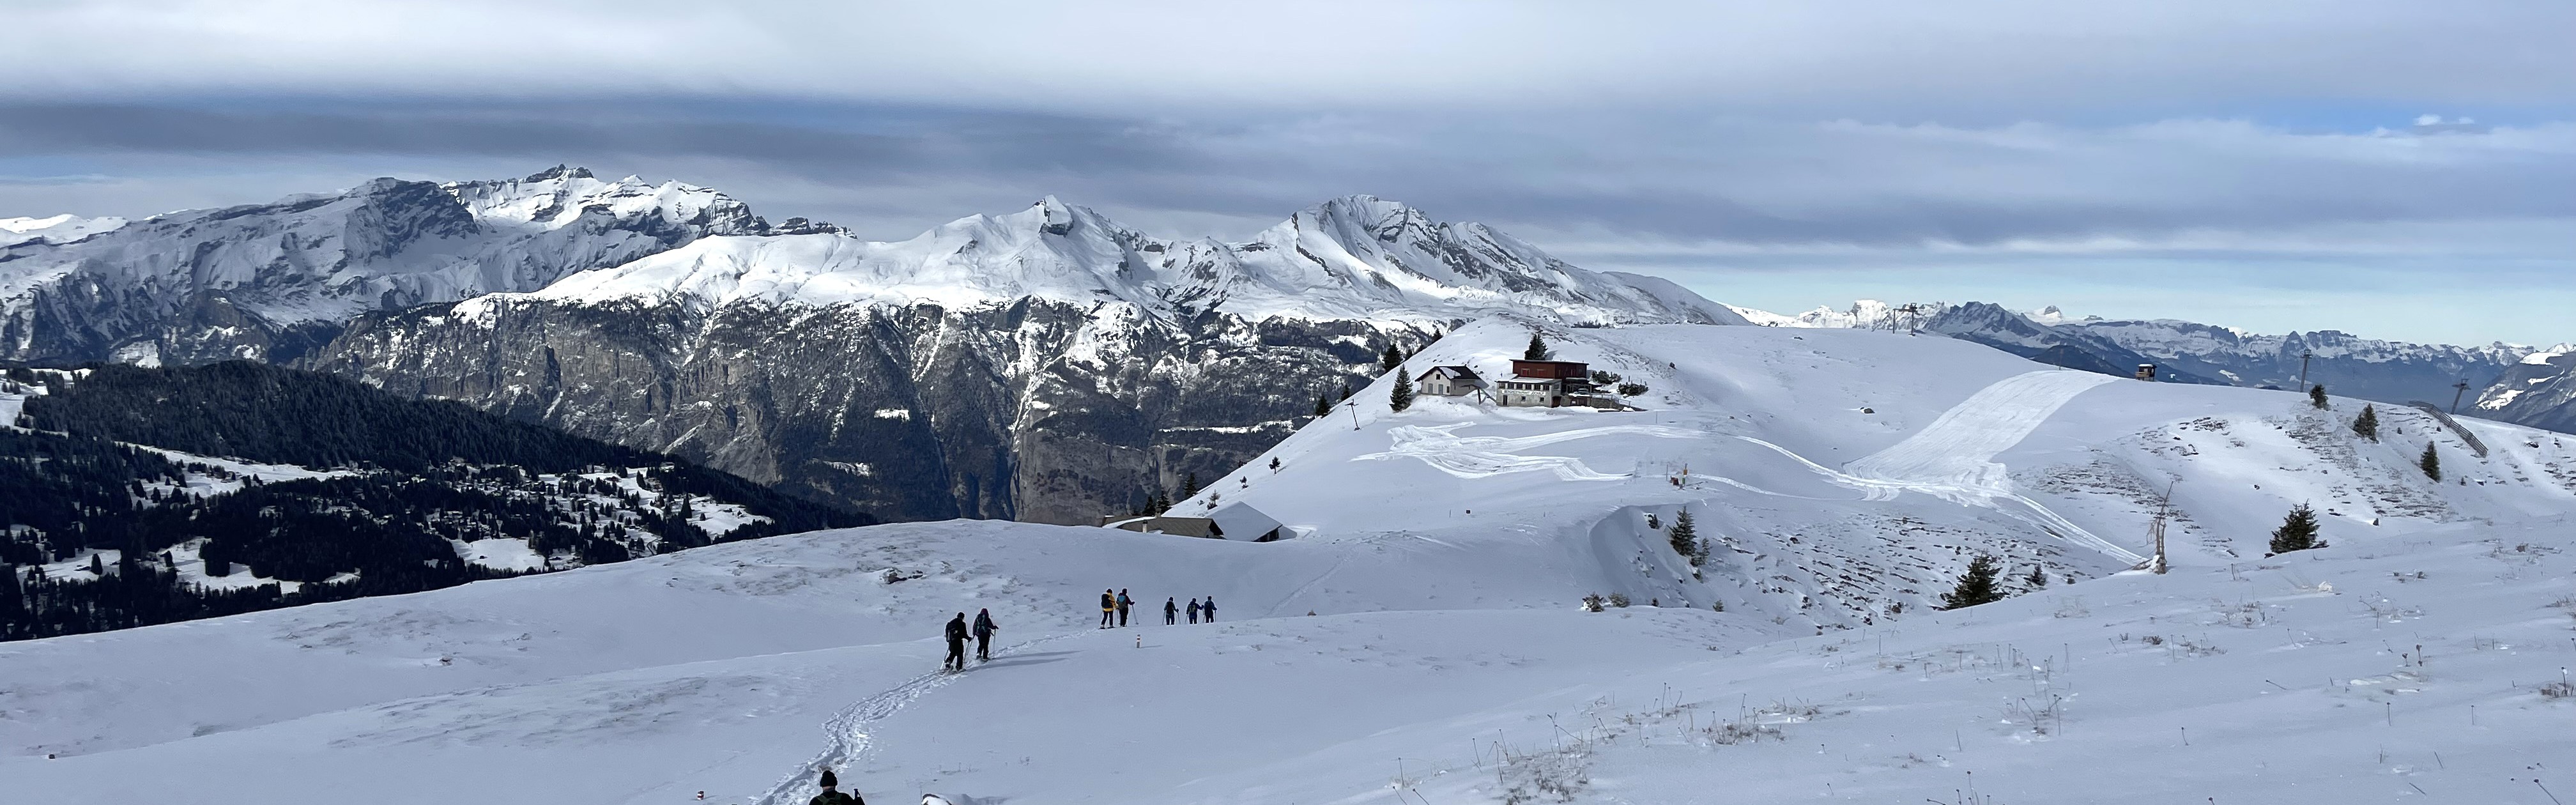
(1550, 369)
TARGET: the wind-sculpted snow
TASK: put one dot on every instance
(1488, 456)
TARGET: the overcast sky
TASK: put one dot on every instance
(2397, 170)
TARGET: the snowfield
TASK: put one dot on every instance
(1420, 640)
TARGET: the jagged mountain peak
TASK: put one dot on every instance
(1350, 257)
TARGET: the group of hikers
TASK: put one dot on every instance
(958, 631)
(1114, 607)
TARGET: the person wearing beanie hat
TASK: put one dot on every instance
(832, 797)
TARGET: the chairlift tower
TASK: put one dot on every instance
(2460, 389)
(2303, 369)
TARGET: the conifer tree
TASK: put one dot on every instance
(1402, 396)
(1977, 587)
(1538, 350)
(2431, 462)
(2298, 532)
(2367, 424)
(1323, 406)
(2038, 577)
(1190, 485)
(1393, 358)
(1274, 463)
(1685, 537)
(1346, 391)
(2317, 395)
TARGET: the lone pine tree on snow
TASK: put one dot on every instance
(1685, 537)
(2367, 424)
(2317, 395)
(1393, 358)
(2038, 577)
(1323, 407)
(2431, 462)
(1977, 587)
(1402, 396)
(2298, 532)
(1538, 350)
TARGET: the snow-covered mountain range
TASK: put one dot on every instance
(1418, 639)
(270, 281)
(1351, 258)
(1048, 364)
(2506, 379)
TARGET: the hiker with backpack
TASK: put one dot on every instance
(1171, 612)
(1125, 604)
(1108, 608)
(984, 630)
(956, 634)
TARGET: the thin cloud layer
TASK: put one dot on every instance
(1742, 148)
(1867, 56)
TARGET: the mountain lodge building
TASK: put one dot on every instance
(1449, 381)
(1545, 384)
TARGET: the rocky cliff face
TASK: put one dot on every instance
(1047, 365)
(1037, 409)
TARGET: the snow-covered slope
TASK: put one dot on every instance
(1848, 471)
(254, 281)
(1418, 640)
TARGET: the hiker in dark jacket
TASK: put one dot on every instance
(1194, 610)
(956, 644)
(1108, 608)
(984, 630)
(832, 797)
(1210, 608)
(1171, 612)
(1125, 604)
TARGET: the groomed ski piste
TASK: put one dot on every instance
(1843, 477)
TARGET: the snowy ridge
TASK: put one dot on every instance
(63, 228)
(1354, 257)
(2393, 372)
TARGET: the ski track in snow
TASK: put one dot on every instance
(1958, 449)
(1488, 456)
(848, 728)
(1953, 458)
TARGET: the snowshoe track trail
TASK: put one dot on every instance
(847, 728)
